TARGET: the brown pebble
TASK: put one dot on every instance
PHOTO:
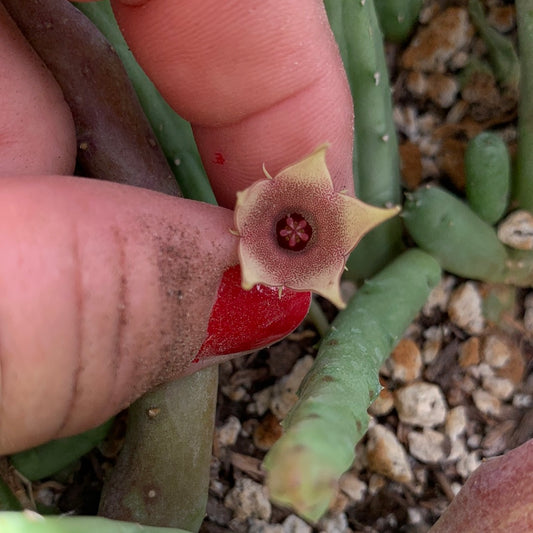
(503, 18)
(451, 160)
(405, 361)
(267, 432)
(434, 45)
(411, 164)
(442, 89)
(469, 352)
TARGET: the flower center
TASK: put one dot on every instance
(293, 232)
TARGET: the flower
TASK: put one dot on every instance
(297, 232)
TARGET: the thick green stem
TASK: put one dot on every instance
(502, 55)
(49, 458)
(398, 17)
(174, 452)
(29, 522)
(488, 176)
(173, 132)
(8, 501)
(523, 185)
(162, 474)
(115, 140)
(460, 240)
(331, 415)
(376, 158)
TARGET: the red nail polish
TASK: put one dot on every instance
(243, 321)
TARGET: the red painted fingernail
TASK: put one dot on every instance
(246, 320)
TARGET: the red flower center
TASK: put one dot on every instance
(293, 232)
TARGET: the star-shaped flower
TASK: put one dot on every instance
(296, 231)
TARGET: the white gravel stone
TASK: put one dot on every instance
(386, 456)
(284, 390)
(227, 434)
(455, 422)
(435, 45)
(481, 371)
(474, 441)
(376, 483)
(432, 344)
(528, 313)
(457, 450)
(235, 394)
(486, 402)
(353, 487)
(414, 515)
(516, 230)
(522, 401)
(442, 89)
(466, 308)
(260, 526)
(383, 404)
(248, 499)
(405, 362)
(261, 401)
(334, 524)
(294, 524)
(427, 445)
(421, 404)
(496, 352)
(467, 464)
(502, 388)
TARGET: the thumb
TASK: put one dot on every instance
(108, 290)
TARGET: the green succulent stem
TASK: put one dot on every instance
(8, 501)
(462, 242)
(376, 158)
(523, 182)
(173, 451)
(173, 133)
(321, 430)
(488, 176)
(398, 17)
(502, 54)
(162, 474)
(29, 522)
(51, 457)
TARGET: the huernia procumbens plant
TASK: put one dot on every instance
(295, 234)
(295, 231)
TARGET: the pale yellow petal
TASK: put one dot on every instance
(311, 169)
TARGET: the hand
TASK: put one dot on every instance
(84, 328)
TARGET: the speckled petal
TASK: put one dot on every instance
(337, 222)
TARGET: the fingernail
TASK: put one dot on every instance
(246, 320)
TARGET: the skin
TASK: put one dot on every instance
(285, 94)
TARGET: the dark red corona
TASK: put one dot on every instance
(293, 232)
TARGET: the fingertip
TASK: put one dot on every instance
(264, 85)
(116, 285)
(37, 132)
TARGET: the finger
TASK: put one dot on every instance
(261, 85)
(108, 290)
(36, 131)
